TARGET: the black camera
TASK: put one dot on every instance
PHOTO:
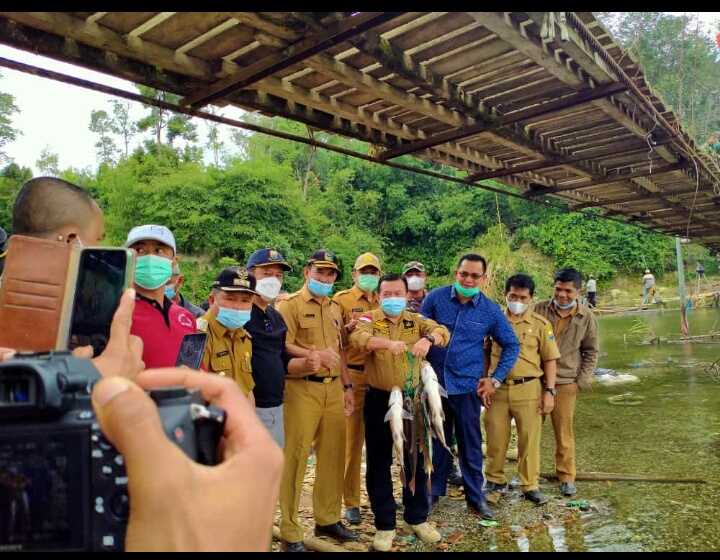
(63, 486)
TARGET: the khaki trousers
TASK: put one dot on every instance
(314, 416)
(354, 441)
(562, 422)
(520, 402)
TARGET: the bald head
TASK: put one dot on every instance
(48, 207)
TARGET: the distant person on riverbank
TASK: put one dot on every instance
(649, 287)
(591, 289)
(576, 331)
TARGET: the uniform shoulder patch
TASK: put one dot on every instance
(201, 324)
(549, 331)
(367, 318)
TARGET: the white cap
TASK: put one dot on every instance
(156, 233)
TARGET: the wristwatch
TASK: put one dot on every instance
(348, 386)
(551, 390)
(496, 382)
(431, 338)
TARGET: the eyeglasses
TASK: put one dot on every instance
(475, 276)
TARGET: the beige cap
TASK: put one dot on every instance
(367, 259)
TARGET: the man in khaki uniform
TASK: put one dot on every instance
(526, 395)
(316, 404)
(397, 340)
(229, 349)
(576, 331)
(354, 302)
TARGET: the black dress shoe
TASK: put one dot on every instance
(568, 488)
(455, 477)
(481, 509)
(293, 546)
(352, 516)
(536, 497)
(337, 531)
(493, 487)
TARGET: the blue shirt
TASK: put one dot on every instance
(460, 364)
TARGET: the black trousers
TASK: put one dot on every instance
(591, 298)
(378, 478)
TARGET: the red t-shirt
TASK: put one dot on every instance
(161, 330)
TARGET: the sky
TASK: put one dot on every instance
(57, 115)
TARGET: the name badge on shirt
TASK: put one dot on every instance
(309, 315)
(357, 310)
(223, 353)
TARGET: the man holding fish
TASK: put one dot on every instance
(470, 316)
(397, 341)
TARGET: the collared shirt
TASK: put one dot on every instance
(537, 345)
(311, 322)
(228, 352)
(579, 343)
(461, 364)
(269, 359)
(355, 303)
(161, 329)
(591, 286)
(194, 309)
(383, 369)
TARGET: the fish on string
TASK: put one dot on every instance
(433, 393)
(396, 415)
(411, 434)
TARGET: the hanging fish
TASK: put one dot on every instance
(411, 436)
(432, 394)
(395, 415)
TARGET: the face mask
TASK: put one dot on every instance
(152, 271)
(516, 308)
(393, 306)
(170, 291)
(368, 282)
(415, 283)
(466, 292)
(232, 318)
(319, 289)
(568, 306)
(268, 288)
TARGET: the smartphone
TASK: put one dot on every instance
(103, 274)
(192, 350)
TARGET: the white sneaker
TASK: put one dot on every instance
(383, 540)
(424, 532)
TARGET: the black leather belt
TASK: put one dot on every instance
(358, 368)
(319, 379)
(520, 380)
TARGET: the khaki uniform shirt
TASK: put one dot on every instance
(355, 303)
(537, 345)
(227, 352)
(310, 322)
(383, 369)
(578, 341)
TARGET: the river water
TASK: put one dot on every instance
(667, 427)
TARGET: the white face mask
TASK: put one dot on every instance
(415, 283)
(268, 288)
(517, 308)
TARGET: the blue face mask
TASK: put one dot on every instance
(152, 271)
(170, 291)
(319, 289)
(570, 305)
(393, 306)
(233, 318)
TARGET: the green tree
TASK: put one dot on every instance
(7, 132)
(101, 124)
(49, 162)
(159, 120)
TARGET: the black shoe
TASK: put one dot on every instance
(455, 477)
(293, 546)
(568, 488)
(337, 531)
(352, 516)
(481, 509)
(536, 497)
(493, 487)
(514, 483)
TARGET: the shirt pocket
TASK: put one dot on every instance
(221, 364)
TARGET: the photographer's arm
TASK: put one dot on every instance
(227, 507)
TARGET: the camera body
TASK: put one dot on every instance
(63, 486)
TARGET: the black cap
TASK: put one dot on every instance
(322, 258)
(264, 257)
(235, 279)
